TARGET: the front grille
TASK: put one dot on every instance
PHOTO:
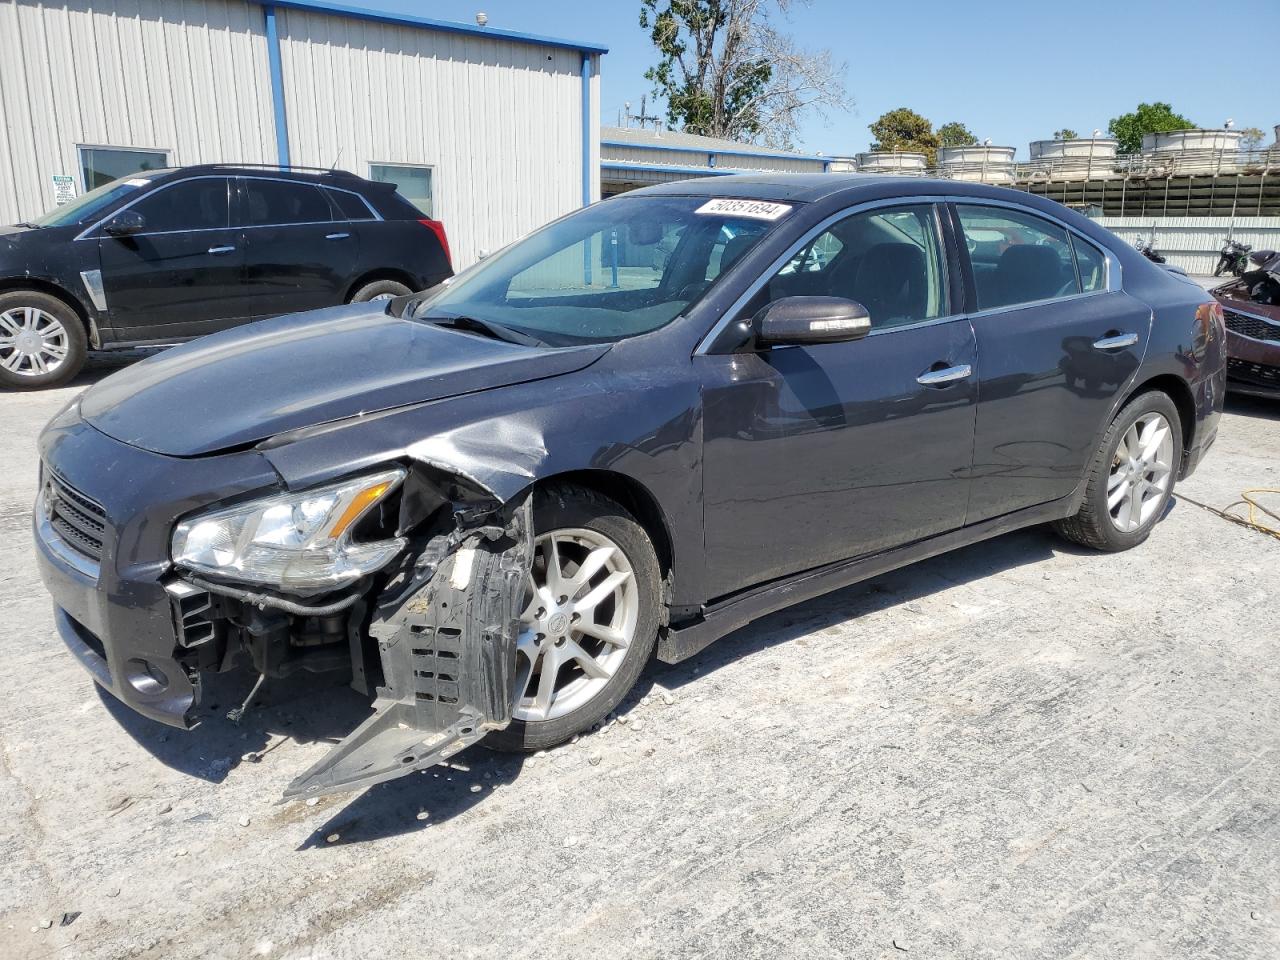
(1250, 326)
(1258, 374)
(80, 521)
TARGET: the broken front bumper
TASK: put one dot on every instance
(446, 633)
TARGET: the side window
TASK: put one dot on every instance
(1092, 265)
(351, 206)
(282, 202)
(1016, 257)
(190, 205)
(890, 261)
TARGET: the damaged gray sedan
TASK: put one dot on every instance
(636, 430)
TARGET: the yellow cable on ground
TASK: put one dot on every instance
(1256, 511)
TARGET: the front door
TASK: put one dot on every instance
(300, 253)
(815, 454)
(181, 275)
(1058, 341)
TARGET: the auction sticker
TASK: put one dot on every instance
(752, 209)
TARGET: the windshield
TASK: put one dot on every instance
(90, 205)
(614, 270)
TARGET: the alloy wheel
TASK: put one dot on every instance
(32, 342)
(580, 616)
(1141, 470)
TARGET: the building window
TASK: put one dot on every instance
(413, 182)
(99, 165)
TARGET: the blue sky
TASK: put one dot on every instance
(1011, 71)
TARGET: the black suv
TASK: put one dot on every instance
(168, 255)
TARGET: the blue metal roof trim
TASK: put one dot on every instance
(664, 168)
(426, 23)
(673, 148)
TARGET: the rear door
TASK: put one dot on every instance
(814, 454)
(1058, 339)
(181, 276)
(300, 252)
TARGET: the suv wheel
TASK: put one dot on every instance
(42, 341)
(590, 620)
(379, 290)
(1131, 477)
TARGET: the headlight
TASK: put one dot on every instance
(297, 540)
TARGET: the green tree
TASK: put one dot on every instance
(904, 129)
(1066, 133)
(1128, 128)
(1251, 138)
(955, 134)
(726, 71)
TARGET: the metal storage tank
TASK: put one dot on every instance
(1174, 152)
(893, 161)
(1081, 158)
(979, 162)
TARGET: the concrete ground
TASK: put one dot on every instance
(1019, 750)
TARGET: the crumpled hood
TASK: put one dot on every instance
(244, 385)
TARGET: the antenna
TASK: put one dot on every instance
(334, 165)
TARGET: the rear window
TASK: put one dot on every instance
(351, 206)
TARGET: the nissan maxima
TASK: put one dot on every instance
(627, 435)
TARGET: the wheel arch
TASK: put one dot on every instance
(1179, 391)
(13, 284)
(633, 495)
(382, 273)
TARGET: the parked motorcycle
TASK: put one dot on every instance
(1147, 249)
(1233, 259)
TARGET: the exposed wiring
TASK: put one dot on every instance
(1262, 519)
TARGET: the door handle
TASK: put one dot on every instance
(1116, 342)
(217, 251)
(336, 236)
(938, 378)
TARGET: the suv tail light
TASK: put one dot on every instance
(436, 227)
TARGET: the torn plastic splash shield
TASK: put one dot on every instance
(447, 639)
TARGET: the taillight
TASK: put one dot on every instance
(436, 227)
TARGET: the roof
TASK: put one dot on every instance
(815, 187)
(426, 23)
(676, 140)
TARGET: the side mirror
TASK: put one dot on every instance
(806, 320)
(125, 224)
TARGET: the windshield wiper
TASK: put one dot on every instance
(26, 223)
(487, 327)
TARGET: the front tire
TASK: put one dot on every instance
(590, 621)
(42, 341)
(1130, 479)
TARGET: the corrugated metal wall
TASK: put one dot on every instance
(1193, 243)
(185, 76)
(500, 121)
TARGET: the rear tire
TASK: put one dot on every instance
(42, 341)
(589, 531)
(1130, 479)
(379, 290)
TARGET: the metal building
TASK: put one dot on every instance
(633, 157)
(493, 132)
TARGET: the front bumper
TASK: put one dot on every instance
(113, 611)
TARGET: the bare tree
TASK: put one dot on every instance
(727, 71)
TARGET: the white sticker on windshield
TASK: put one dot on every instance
(752, 209)
(137, 183)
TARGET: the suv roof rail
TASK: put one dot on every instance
(332, 171)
